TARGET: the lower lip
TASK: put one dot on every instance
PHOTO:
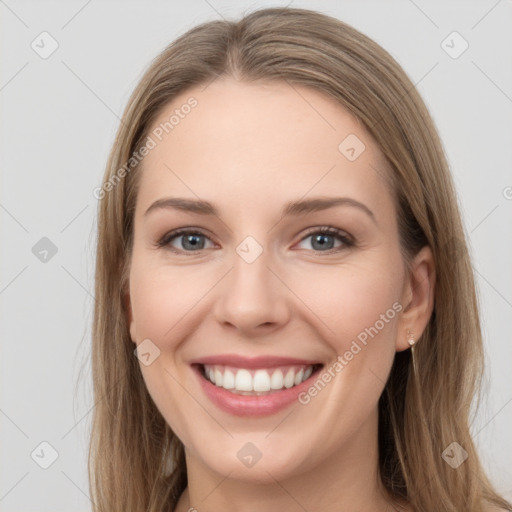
(251, 405)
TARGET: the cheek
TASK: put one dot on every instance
(353, 303)
(160, 298)
(158, 304)
(361, 310)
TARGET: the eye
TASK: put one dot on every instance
(324, 237)
(194, 240)
(190, 241)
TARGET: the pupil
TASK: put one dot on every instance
(193, 241)
(319, 238)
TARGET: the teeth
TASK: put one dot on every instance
(298, 377)
(289, 379)
(243, 381)
(261, 381)
(229, 380)
(218, 377)
(276, 382)
(258, 381)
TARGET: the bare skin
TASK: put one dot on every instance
(249, 149)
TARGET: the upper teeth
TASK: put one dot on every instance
(241, 379)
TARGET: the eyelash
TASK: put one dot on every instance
(323, 230)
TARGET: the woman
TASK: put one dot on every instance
(280, 246)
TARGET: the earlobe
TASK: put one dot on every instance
(418, 299)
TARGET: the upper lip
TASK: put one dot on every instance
(239, 361)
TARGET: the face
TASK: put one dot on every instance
(297, 327)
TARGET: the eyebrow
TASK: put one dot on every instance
(293, 208)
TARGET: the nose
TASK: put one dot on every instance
(252, 298)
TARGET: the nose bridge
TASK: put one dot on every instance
(251, 267)
(252, 295)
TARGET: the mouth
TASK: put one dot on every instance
(257, 382)
(254, 387)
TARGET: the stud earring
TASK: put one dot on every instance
(410, 337)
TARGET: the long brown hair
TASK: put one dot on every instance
(136, 463)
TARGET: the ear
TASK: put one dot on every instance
(417, 298)
(130, 320)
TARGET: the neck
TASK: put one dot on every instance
(347, 480)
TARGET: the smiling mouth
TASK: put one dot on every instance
(257, 382)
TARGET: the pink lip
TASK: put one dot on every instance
(248, 405)
(251, 362)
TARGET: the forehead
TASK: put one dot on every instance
(266, 140)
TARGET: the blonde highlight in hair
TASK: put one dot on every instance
(136, 463)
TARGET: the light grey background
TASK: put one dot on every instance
(59, 117)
